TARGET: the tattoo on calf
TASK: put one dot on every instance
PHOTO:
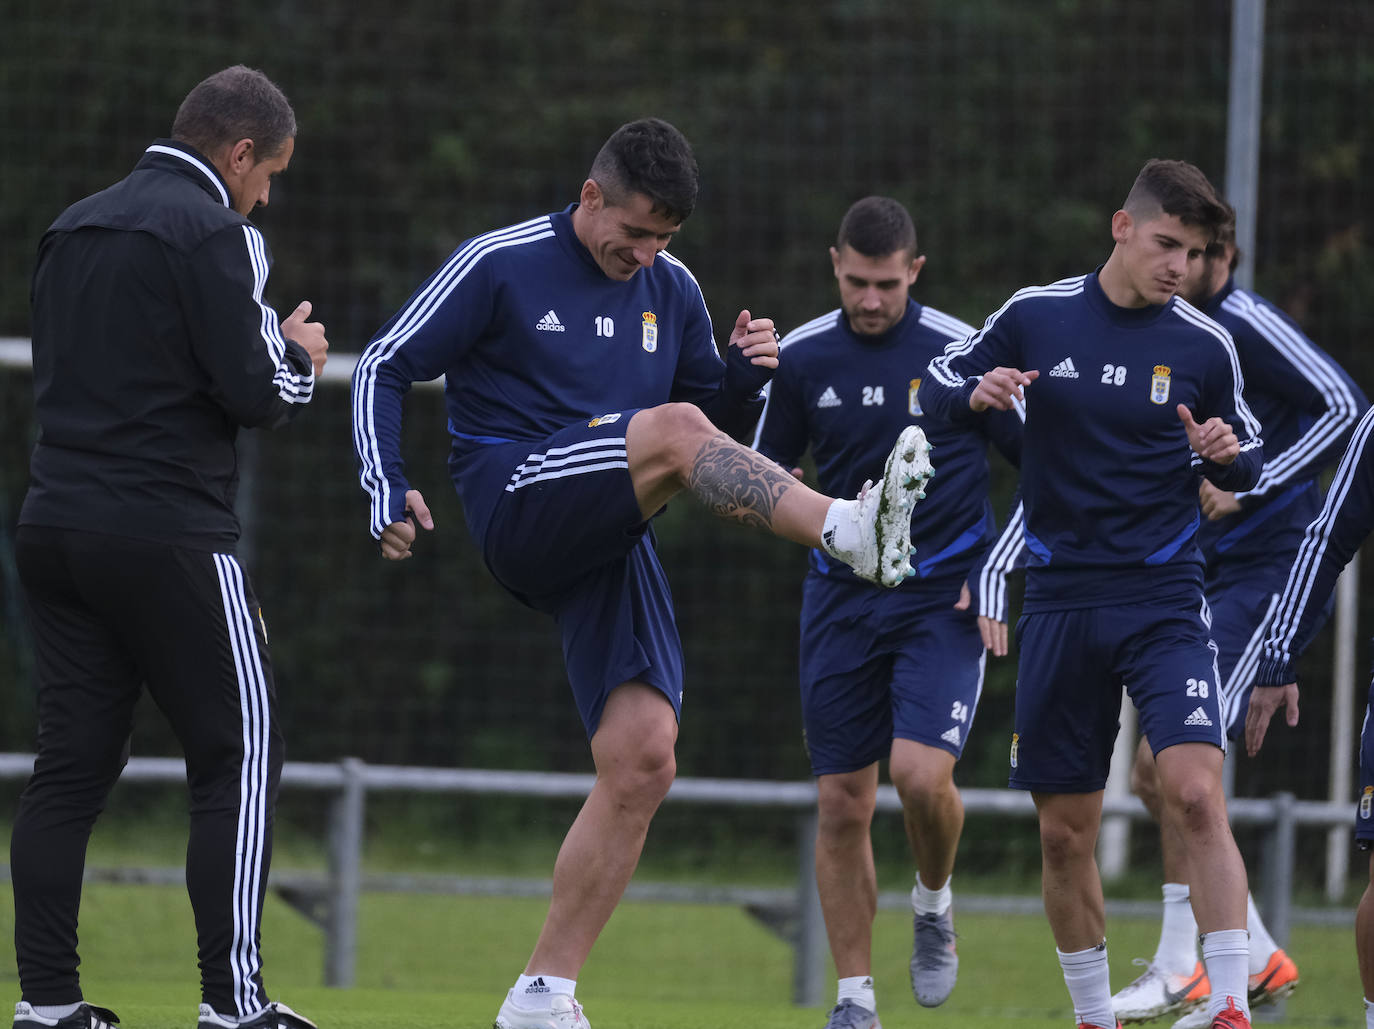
(736, 482)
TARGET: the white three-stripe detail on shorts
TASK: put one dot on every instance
(593, 455)
(244, 958)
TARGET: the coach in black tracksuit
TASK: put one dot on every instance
(152, 345)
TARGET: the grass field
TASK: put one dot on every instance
(426, 962)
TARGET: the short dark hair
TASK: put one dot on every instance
(1226, 237)
(1178, 189)
(650, 157)
(233, 104)
(876, 227)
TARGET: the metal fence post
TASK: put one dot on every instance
(808, 981)
(1281, 858)
(345, 875)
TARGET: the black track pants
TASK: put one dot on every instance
(110, 615)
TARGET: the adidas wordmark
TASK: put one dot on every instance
(1198, 717)
(1063, 370)
(550, 323)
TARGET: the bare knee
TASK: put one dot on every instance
(1196, 806)
(1145, 779)
(1068, 836)
(923, 776)
(644, 773)
(668, 438)
(633, 747)
(845, 804)
(1190, 786)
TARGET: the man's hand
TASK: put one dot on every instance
(308, 334)
(994, 633)
(398, 536)
(999, 387)
(1264, 703)
(1213, 440)
(1216, 503)
(757, 338)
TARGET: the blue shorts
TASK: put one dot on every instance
(1073, 665)
(1238, 627)
(1364, 811)
(882, 664)
(566, 536)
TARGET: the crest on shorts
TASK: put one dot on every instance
(1159, 385)
(263, 622)
(648, 337)
(604, 419)
(1015, 739)
(1367, 802)
(913, 406)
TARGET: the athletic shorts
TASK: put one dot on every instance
(566, 537)
(1238, 627)
(1364, 811)
(1072, 667)
(882, 664)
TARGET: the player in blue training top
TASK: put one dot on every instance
(1135, 396)
(1308, 406)
(885, 673)
(1329, 543)
(580, 371)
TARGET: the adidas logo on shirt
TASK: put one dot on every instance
(1063, 370)
(951, 736)
(829, 398)
(550, 323)
(1198, 717)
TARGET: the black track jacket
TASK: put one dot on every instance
(151, 346)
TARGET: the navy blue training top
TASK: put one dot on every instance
(848, 396)
(1329, 542)
(1108, 479)
(1307, 405)
(532, 336)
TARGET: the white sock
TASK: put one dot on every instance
(840, 533)
(859, 989)
(1089, 981)
(1177, 950)
(1368, 1015)
(1226, 953)
(1262, 945)
(54, 1010)
(534, 991)
(925, 901)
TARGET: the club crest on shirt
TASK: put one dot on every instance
(649, 336)
(1159, 385)
(604, 419)
(913, 406)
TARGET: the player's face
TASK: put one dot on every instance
(1158, 255)
(250, 180)
(873, 290)
(622, 238)
(1206, 277)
